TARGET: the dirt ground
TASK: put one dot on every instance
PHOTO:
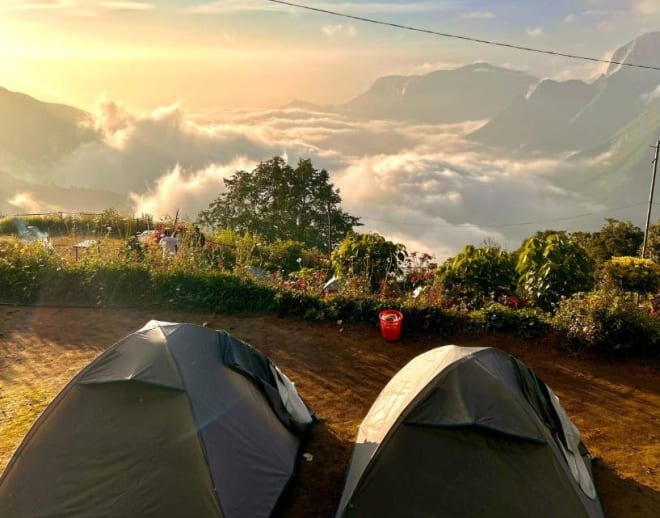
(339, 370)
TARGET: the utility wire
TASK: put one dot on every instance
(500, 225)
(460, 37)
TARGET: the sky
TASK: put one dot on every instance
(254, 53)
(182, 93)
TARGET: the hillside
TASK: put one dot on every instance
(33, 133)
(622, 164)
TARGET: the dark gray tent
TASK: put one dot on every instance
(174, 420)
(464, 432)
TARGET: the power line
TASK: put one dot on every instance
(501, 225)
(460, 37)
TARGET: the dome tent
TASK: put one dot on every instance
(173, 420)
(462, 432)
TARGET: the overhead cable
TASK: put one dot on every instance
(460, 37)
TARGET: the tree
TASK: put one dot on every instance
(615, 239)
(368, 256)
(278, 201)
(478, 274)
(653, 242)
(551, 268)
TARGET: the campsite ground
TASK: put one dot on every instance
(339, 370)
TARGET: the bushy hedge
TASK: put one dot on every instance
(29, 273)
(605, 321)
(528, 322)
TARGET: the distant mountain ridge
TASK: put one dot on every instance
(34, 133)
(574, 115)
(443, 96)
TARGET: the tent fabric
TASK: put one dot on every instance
(158, 425)
(468, 432)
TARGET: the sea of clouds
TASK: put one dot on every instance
(427, 186)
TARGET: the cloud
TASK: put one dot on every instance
(602, 12)
(569, 19)
(223, 7)
(132, 151)
(647, 7)
(34, 5)
(128, 6)
(407, 189)
(332, 31)
(651, 96)
(188, 192)
(28, 203)
(534, 31)
(75, 7)
(421, 184)
(481, 15)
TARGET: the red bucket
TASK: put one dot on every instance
(390, 324)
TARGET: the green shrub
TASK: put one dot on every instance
(528, 323)
(553, 267)
(368, 256)
(282, 256)
(212, 291)
(23, 269)
(478, 275)
(605, 321)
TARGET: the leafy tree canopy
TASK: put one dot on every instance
(278, 201)
(615, 239)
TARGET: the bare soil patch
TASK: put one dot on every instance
(340, 370)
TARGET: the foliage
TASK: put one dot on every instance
(604, 320)
(368, 256)
(278, 201)
(216, 291)
(551, 268)
(653, 242)
(419, 269)
(288, 256)
(632, 274)
(528, 323)
(477, 275)
(23, 268)
(615, 239)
